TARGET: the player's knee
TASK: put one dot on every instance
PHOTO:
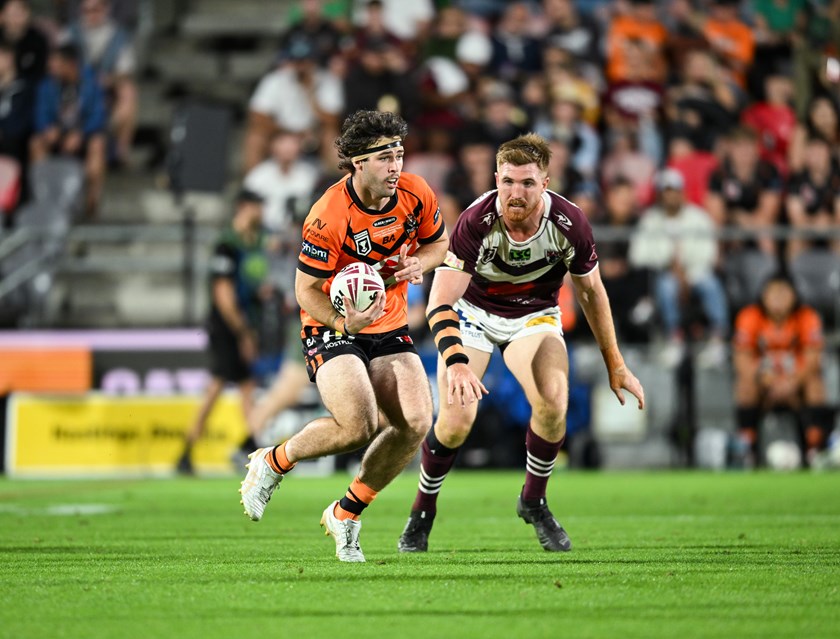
(452, 429)
(550, 413)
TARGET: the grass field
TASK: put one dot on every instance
(656, 555)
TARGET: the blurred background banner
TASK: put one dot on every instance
(95, 435)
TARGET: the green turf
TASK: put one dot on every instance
(656, 555)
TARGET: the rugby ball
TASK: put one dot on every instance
(358, 282)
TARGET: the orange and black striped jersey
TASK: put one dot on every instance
(340, 230)
(757, 334)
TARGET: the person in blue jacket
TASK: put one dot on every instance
(70, 119)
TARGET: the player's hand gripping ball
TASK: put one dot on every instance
(358, 282)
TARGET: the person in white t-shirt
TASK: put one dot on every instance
(405, 20)
(284, 180)
(677, 241)
(297, 96)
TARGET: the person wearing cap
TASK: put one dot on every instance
(676, 240)
(238, 272)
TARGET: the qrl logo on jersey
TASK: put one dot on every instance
(362, 241)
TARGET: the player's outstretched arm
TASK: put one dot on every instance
(590, 293)
(448, 287)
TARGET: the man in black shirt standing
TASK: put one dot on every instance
(238, 272)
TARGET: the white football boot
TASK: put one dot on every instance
(346, 535)
(258, 484)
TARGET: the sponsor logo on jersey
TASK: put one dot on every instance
(437, 215)
(319, 223)
(552, 257)
(519, 255)
(314, 251)
(384, 221)
(488, 254)
(563, 221)
(452, 260)
(545, 319)
(362, 240)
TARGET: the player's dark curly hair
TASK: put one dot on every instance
(362, 129)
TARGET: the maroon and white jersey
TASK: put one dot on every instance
(510, 278)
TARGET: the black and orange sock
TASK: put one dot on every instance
(358, 497)
(278, 461)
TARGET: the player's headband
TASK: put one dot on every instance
(382, 144)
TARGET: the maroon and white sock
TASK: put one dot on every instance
(435, 463)
(540, 456)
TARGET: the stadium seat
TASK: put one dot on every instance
(59, 182)
(817, 277)
(744, 273)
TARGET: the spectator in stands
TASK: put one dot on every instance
(813, 200)
(31, 46)
(381, 70)
(563, 178)
(449, 25)
(695, 166)
(676, 240)
(297, 96)
(314, 27)
(576, 33)
(17, 106)
(107, 48)
(774, 120)
(774, 22)
(745, 191)
(501, 119)
(237, 275)
(705, 102)
(125, 12)
(635, 103)
(471, 177)
(815, 40)
(639, 24)
(822, 121)
(626, 285)
(566, 124)
(626, 160)
(430, 155)
(777, 346)
(516, 53)
(285, 181)
(562, 73)
(730, 38)
(70, 119)
(409, 21)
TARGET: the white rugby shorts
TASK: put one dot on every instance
(483, 331)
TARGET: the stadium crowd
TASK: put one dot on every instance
(700, 137)
(692, 134)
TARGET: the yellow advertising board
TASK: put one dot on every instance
(97, 435)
